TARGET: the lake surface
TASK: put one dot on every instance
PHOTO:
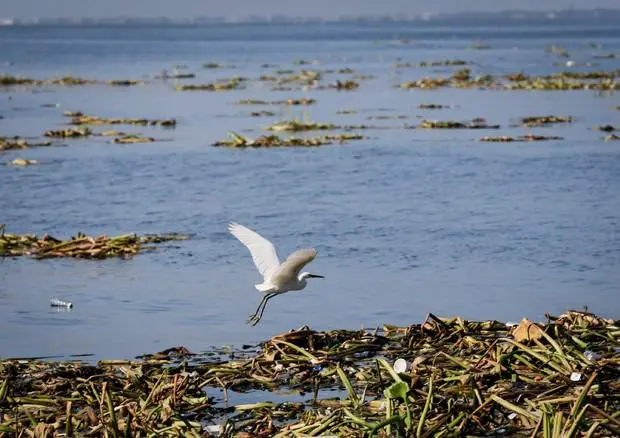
(406, 222)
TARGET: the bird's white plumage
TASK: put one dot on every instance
(289, 270)
(277, 278)
(263, 252)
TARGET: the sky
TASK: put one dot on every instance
(312, 8)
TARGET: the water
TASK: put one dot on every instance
(406, 222)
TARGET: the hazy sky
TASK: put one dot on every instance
(323, 8)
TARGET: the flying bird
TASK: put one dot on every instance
(278, 278)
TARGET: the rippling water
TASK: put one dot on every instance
(406, 222)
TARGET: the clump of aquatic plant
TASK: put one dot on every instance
(262, 114)
(235, 140)
(348, 84)
(133, 138)
(432, 106)
(290, 102)
(125, 82)
(234, 83)
(454, 124)
(78, 118)
(79, 246)
(545, 120)
(8, 143)
(69, 133)
(527, 137)
(297, 125)
(443, 377)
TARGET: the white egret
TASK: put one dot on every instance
(278, 278)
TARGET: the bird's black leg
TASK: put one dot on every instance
(253, 320)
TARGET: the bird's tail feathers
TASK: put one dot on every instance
(263, 287)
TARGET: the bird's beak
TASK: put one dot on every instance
(315, 276)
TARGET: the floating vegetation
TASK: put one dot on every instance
(125, 82)
(21, 162)
(262, 114)
(79, 118)
(235, 83)
(444, 377)
(8, 80)
(303, 62)
(534, 121)
(291, 102)
(520, 81)
(606, 128)
(9, 143)
(306, 77)
(432, 106)
(165, 75)
(69, 133)
(388, 117)
(453, 124)
(133, 138)
(348, 84)
(80, 246)
(527, 137)
(296, 125)
(442, 63)
(611, 137)
(346, 111)
(216, 65)
(239, 141)
(560, 83)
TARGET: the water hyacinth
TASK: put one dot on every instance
(451, 377)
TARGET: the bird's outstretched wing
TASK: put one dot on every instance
(290, 268)
(263, 252)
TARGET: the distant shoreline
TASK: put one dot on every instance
(602, 17)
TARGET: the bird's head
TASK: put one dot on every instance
(305, 275)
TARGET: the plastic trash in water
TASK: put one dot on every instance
(400, 365)
(591, 355)
(575, 377)
(54, 302)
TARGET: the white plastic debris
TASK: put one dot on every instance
(54, 302)
(575, 377)
(278, 367)
(400, 365)
(512, 416)
(214, 428)
(591, 355)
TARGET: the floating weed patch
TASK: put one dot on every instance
(80, 246)
(527, 137)
(133, 138)
(453, 124)
(296, 125)
(9, 143)
(235, 83)
(432, 106)
(534, 121)
(291, 102)
(348, 84)
(520, 81)
(262, 114)
(8, 80)
(78, 118)
(238, 141)
(69, 133)
(453, 377)
(441, 63)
